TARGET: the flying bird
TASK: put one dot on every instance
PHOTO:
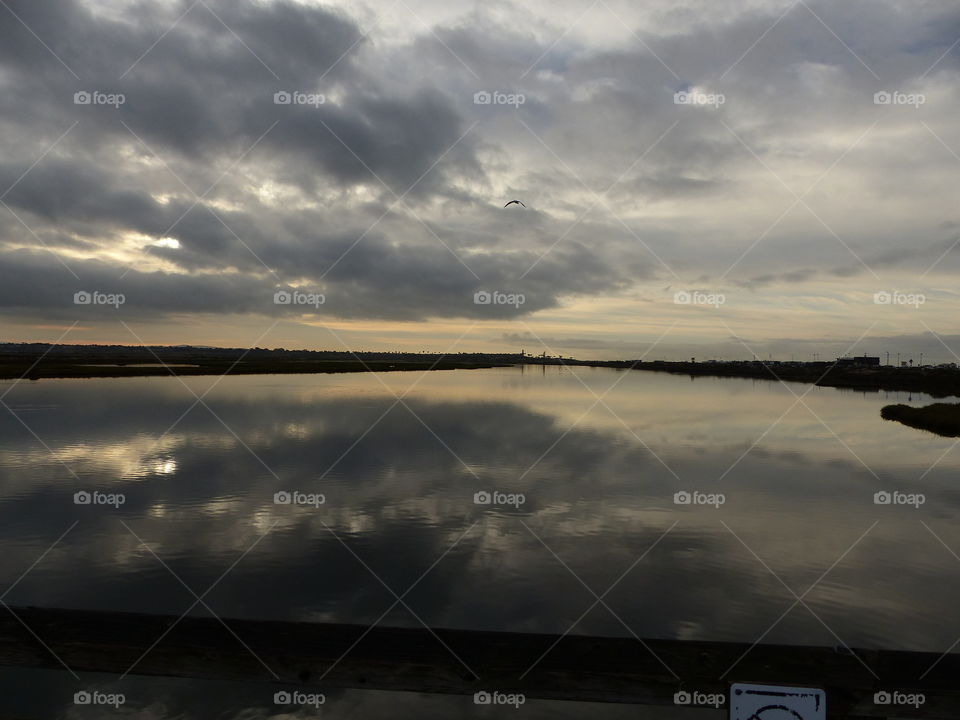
(515, 201)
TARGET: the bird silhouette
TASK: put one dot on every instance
(515, 201)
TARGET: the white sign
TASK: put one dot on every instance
(749, 701)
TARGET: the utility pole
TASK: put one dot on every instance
(921, 359)
(888, 357)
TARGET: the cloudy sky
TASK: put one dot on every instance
(701, 177)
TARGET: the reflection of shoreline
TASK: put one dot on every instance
(940, 418)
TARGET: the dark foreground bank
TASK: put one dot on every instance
(315, 657)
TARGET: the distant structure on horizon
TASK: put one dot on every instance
(862, 360)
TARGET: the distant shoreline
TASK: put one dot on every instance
(43, 361)
(65, 370)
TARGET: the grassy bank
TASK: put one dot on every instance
(940, 418)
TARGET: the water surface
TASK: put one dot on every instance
(597, 454)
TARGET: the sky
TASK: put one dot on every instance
(702, 178)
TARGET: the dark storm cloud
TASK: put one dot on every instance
(200, 100)
(201, 93)
(373, 281)
(63, 191)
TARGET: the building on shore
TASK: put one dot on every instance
(861, 361)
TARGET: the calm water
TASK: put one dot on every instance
(399, 480)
